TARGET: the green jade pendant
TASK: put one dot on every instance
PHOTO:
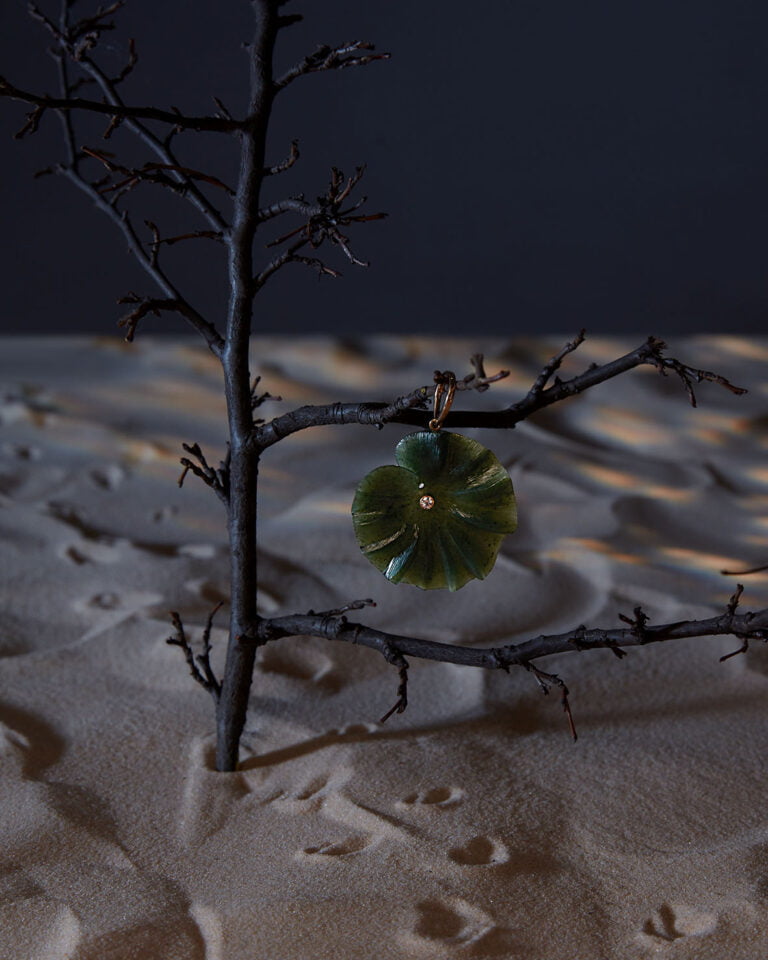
(438, 519)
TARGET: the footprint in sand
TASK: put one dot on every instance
(201, 551)
(129, 602)
(336, 848)
(355, 730)
(38, 928)
(164, 513)
(104, 601)
(451, 923)
(106, 550)
(479, 852)
(307, 664)
(21, 451)
(108, 477)
(433, 797)
(307, 799)
(675, 921)
(211, 928)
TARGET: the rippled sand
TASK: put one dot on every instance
(471, 825)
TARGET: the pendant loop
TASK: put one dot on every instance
(441, 412)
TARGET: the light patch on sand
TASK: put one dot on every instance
(624, 480)
(630, 428)
(695, 560)
(610, 477)
(718, 430)
(744, 348)
(758, 473)
(575, 544)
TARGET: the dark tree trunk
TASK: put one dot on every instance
(233, 702)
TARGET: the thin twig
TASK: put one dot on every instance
(350, 54)
(399, 661)
(200, 665)
(553, 364)
(286, 164)
(202, 469)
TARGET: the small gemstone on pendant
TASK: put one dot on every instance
(427, 502)
(421, 486)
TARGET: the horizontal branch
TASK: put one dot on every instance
(413, 409)
(119, 110)
(333, 625)
(745, 626)
(289, 205)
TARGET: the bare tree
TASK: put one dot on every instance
(322, 223)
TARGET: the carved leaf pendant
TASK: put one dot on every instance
(438, 519)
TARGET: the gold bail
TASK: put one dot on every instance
(443, 406)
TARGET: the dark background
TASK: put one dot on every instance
(546, 165)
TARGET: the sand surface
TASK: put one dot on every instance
(470, 826)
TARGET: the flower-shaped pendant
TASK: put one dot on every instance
(437, 519)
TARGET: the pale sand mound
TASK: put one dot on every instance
(470, 826)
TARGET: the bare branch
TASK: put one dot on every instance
(257, 399)
(286, 164)
(323, 270)
(217, 480)
(147, 305)
(690, 374)
(68, 40)
(195, 235)
(155, 245)
(554, 364)
(412, 408)
(638, 624)
(172, 299)
(324, 220)
(399, 661)
(332, 625)
(162, 148)
(287, 256)
(200, 665)
(31, 123)
(206, 329)
(83, 35)
(289, 205)
(121, 111)
(223, 111)
(479, 380)
(150, 172)
(348, 54)
(133, 59)
(545, 680)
